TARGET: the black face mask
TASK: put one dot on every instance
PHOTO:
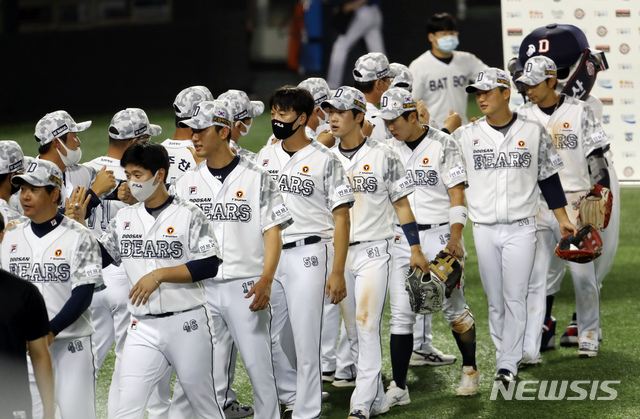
(283, 130)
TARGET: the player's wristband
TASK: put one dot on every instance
(411, 232)
(154, 278)
(458, 214)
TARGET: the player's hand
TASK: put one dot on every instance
(261, 293)
(105, 181)
(423, 113)
(367, 128)
(418, 259)
(567, 227)
(455, 248)
(475, 118)
(142, 290)
(326, 138)
(453, 121)
(336, 287)
(50, 338)
(124, 194)
(75, 207)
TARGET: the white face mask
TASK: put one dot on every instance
(246, 127)
(325, 119)
(72, 157)
(143, 190)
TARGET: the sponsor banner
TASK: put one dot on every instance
(612, 27)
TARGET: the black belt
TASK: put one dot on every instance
(355, 243)
(422, 227)
(171, 313)
(100, 288)
(305, 241)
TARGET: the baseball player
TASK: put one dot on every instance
(11, 163)
(244, 110)
(316, 190)
(62, 259)
(180, 147)
(580, 141)
(109, 305)
(380, 185)
(366, 23)
(167, 247)
(243, 203)
(441, 74)
(434, 161)
(507, 157)
(23, 321)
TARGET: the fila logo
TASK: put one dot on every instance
(14, 248)
(127, 225)
(193, 190)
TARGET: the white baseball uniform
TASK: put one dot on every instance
(66, 257)
(8, 213)
(380, 131)
(241, 208)
(247, 154)
(109, 305)
(378, 179)
(174, 326)
(435, 165)
(313, 183)
(181, 159)
(503, 199)
(576, 133)
(442, 85)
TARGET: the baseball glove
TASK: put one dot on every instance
(426, 291)
(581, 248)
(448, 270)
(595, 207)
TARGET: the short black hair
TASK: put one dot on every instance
(4, 177)
(441, 22)
(50, 189)
(1, 223)
(293, 98)
(149, 156)
(44, 149)
(355, 113)
(406, 114)
(364, 86)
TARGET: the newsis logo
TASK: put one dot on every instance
(555, 390)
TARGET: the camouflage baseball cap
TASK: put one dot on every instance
(188, 98)
(11, 157)
(131, 123)
(346, 98)
(40, 173)
(396, 101)
(55, 125)
(240, 105)
(318, 88)
(207, 114)
(537, 69)
(372, 66)
(403, 77)
(489, 79)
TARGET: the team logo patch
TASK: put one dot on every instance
(566, 125)
(14, 248)
(425, 160)
(193, 190)
(366, 167)
(239, 194)
(305, 169)
(265, 162)
(521, 143)
(476, 143)
(127, 225)
(58, 252)
(170, 230)
(397, 240)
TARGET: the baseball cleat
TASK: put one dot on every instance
(328, 376)
(570, 336)
(325, 396)
(397, 396)
(548, 335)
(431, 356)
(236, 411)
(375, 412)
(287, 414)
(344, 382)
(357, 414)
(469, 382)
(530, 363)
(588, 350)
(505, 376)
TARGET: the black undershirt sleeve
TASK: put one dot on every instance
(552, 191)
(203, 268)
(598, 163)
(79, 301)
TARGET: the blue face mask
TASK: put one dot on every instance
(448, 43)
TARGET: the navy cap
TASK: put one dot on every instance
(564, 45)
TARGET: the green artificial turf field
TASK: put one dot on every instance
(432, 389)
